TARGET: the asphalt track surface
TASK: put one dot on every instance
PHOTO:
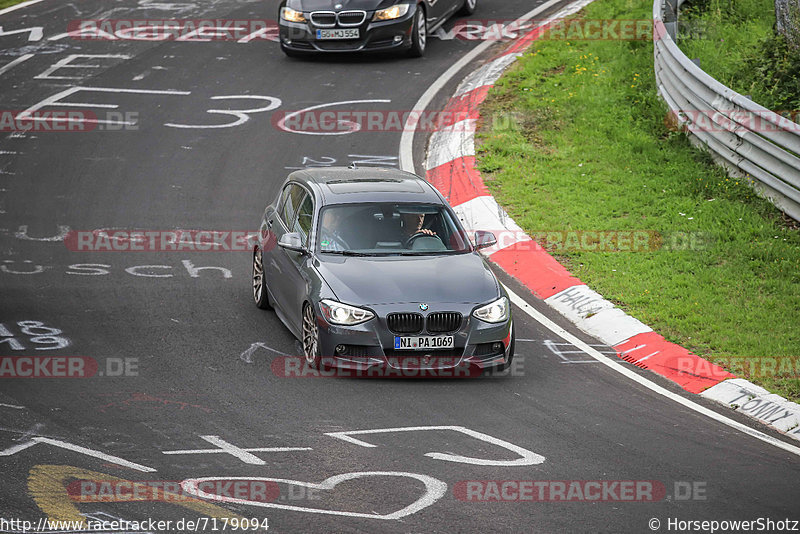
(204, 354)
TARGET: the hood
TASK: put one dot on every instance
(460, 278)
(330, 5)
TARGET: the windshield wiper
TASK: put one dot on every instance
(432, 252)
(346, 253)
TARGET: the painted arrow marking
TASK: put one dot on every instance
(247, 355)
(75, 448)
(245, 455)
(527, 457)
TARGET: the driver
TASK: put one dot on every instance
(411, 224)
(331, 239)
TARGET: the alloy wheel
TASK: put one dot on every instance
(258, 276)
(310, 335)
(422, 29)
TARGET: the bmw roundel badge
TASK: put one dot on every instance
(423, 307)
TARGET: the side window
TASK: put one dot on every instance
(282, 200)
(293, 195)
(305, 216)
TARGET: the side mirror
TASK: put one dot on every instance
(484, 239)
(292, 241)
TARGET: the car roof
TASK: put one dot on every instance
(344, 185)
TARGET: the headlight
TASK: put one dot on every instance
(495, 312)
(287, 13)
(338, 313)
(390, 13)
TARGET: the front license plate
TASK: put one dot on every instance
(350, 33)
(424, 342)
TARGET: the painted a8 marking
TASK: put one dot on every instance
(37, 333)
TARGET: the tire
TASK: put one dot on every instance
(310, 340)
(260, 293)
(468, 7)
(419, 34)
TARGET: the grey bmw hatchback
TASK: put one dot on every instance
(370, 267)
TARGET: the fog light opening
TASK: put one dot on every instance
(340, 349)
(497, 346)
(398, 38)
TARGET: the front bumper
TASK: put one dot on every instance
(374, 36)
(478, 344)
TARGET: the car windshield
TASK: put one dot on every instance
(379, 229)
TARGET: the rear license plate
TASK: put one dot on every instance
(350, 33)
(424, 342)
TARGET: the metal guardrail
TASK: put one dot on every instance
(749, 140)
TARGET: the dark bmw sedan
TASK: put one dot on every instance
(370, 267)
(363, 25)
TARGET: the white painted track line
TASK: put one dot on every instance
(617, 366)
(406, 157)
(407, 139)
(19, 6)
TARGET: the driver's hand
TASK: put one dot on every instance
(427, 231)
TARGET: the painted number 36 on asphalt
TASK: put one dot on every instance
(260, 104)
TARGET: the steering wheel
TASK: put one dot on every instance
(410, 241)
(415, 236)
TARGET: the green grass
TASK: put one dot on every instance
(9, 3)
(736, 44)
(574, 138)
